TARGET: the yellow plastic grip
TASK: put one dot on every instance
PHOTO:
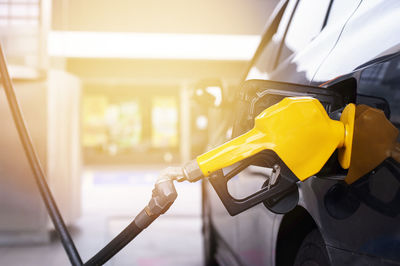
(298, 130)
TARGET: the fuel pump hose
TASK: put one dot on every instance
(164, 194)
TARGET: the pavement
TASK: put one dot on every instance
(111, 197)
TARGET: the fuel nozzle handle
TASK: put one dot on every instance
(297, 129)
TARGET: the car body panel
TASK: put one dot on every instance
(258, 227)
(369, 236)
(367, 35)
(349, 60)
(302, 66)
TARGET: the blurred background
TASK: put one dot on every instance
(108, 90)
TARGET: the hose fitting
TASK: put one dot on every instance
(164, 194)
(192, 171)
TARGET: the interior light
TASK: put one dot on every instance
(201, 122)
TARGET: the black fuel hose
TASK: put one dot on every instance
(164, 194)
(120, 241)
(35, 165)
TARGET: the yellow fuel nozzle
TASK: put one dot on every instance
(298, 130)
(375, 139)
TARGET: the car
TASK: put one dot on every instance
(351, 47)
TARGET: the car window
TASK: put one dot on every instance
(264, 64)
(383, 80)
(305, 25)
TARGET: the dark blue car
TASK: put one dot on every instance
(347, 46)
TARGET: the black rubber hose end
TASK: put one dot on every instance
(120, 241)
